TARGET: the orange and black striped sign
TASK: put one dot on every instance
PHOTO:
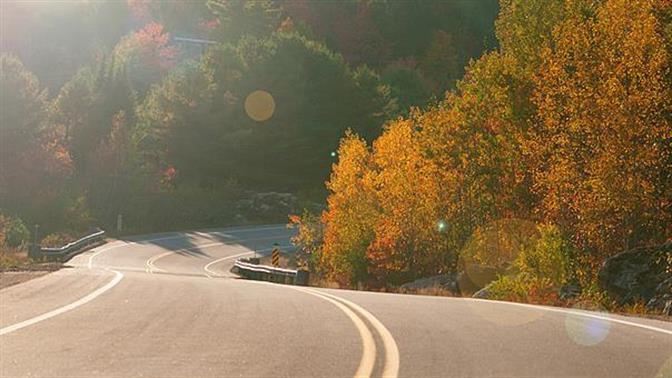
(275, 257)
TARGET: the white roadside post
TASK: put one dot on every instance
(120, 221)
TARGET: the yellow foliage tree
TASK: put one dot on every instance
(600, 150)
(351, 213)
(408, 239)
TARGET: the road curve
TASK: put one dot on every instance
(165, 305)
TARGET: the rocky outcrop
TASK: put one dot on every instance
(569, 291)
(662, 299)
(475, 277)
(641, 274)
(484, 293)
(266, 207)
(443, 282)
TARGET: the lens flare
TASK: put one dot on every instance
(505, 315)
(586, 331)
(259, 105)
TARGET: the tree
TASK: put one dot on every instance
(407, 86)
(524, 27)
(208, 134)
(33, 161)
(440, 61)
(181, 129)
(408, 240)
(601, 148)
(146, 55)
(351, 214)
(96, 108)
(239, 18)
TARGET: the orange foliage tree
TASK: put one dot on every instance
(351, 215)
(600, 149)
(408, 232)
(568, 124)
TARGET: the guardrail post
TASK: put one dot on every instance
(35, 252)
(301, 277)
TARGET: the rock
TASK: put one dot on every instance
(267, 206)
(484, 293)
(569, 291)
(637, 274)
(475, 277)
(662, 299)
(444, 281)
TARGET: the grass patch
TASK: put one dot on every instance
(16, 260)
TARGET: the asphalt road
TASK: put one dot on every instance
(166, 306)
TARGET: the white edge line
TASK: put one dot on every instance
(576, 312)
(368, 359)
(88, 298)
(94, 294)
(585, 313)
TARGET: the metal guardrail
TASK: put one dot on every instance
(65, 252)
(246, 269)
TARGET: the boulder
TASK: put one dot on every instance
(475, 277)
(569, 291)
(484, 293)
(662, 299)
(266, 206)
(443, 281)
(637, 274)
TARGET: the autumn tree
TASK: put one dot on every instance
(200, 114)
(409, 240)
(146, 55)
(601, 148)
(96, 110)
(33, 161)
(239, 18)
(524, 27)
(351, 214)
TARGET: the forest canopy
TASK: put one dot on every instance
(127, 105)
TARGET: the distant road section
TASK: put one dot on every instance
(166, 305)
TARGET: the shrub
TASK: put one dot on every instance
(548, 257)
(58, 239)
(509, 288)
(12, 258)
(541, 267)
(523, 288)
(16, 233)
(309, 238)
(499, 243)
(3, 223)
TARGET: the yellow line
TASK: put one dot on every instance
(391, 367)
(210, 273)
(368, 359)
(150, 267)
